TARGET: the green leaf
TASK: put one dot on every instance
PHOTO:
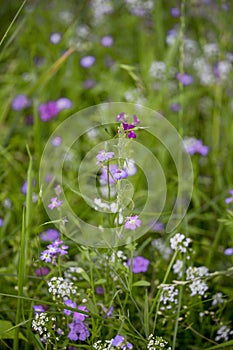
(221, 346)
(7, 330)
(100, 281)
(141, 284)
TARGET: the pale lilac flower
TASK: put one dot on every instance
(175, 12)
(229, 199)
(120, 174)
(103, 156)
(228, 251)
(20, 102)
(78, 331)
(89, 83)
(71, 304)
(185, 79)
(39, 308)
(139, 264)
(55, 38)
(64, 103)
(55, 203)
(132, 222)
(81, 317)
(56, 141)
(87, 61)
(119, 342)
(193, 145)
(107, 40)
(49, 235)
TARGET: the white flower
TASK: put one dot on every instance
(180, 242)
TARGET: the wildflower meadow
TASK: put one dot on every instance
(116, 201)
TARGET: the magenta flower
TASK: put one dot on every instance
(42, 271)
(103, 156)
(54, 203)
(48, 110)
(132, 222)
(20, 102)
(139, 264)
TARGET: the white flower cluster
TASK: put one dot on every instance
(177, 267)
(197, 287)
(217, 299)
(106, 345)
(157, 343)
(224, 333)
(42, 324)
(72, 272)
(140, 7)
(61, 288)
(168, 297)
(162, 247)
(180, 242)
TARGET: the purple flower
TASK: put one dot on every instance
(49, 235)
(46, 256)
(228, 251)
(229, 199)
(99, 290)
(24, 187)
(71, 304)
(175, 12)
(121, 117)
(185, 79)
(20, 102)
(107, 40)
(64, 103)
(87, 61)
(80, 317)
(175, 107)
(29, 120)
(120, 174)
(103, 156)
(39, 308)
(132, 222)
(56, 141)
(1, 222)
(89, 83)
(139, 264)
(55, 38)
(119, 342)
(53, 250)
(193, 145)
(55, 203)
(42, 271)
(109, 312)
(48, 110)
(128, 128)
(78, 331)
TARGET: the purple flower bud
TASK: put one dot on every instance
(185, 79)
(42, 271)
(175, 12)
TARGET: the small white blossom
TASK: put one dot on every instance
(180, 243)
(223, 333)
(61, 288)
(169, 296)
(157, 343)
(177, 267)
(217, 299)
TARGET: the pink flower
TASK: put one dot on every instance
(132, 222)
(54, 203)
